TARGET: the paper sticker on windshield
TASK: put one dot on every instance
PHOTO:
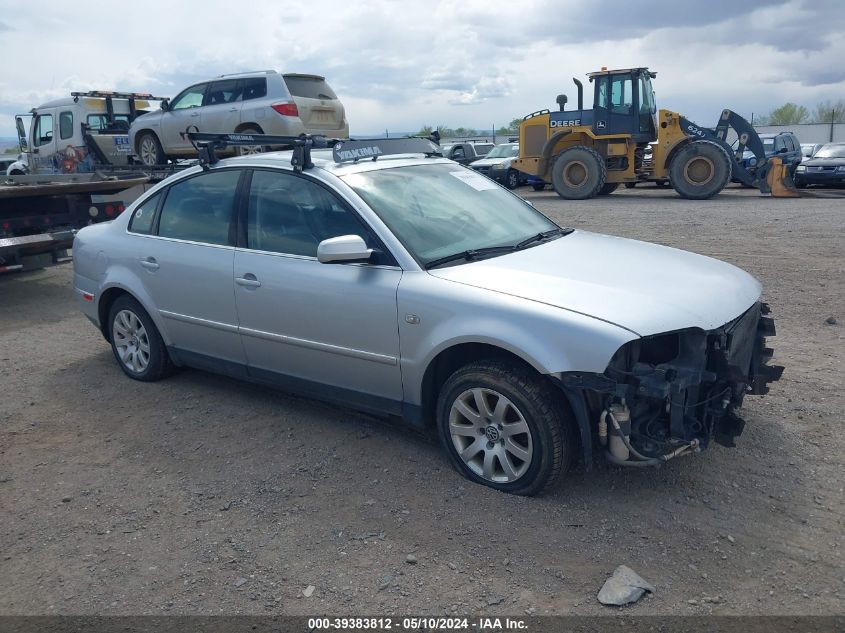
(476, 181)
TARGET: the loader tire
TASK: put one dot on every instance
(700, 170)
(578, 173)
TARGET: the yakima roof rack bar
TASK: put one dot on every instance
(206, 144)
(355, 149)
(344, 150)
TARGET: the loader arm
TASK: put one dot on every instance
(748, 139)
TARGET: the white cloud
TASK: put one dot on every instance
(399, 65)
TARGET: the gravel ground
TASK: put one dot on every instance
(200, 494)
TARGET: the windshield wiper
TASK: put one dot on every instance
(469, 255)
(542, 236)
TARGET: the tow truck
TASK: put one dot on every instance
(75, 168)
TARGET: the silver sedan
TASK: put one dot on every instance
(414, 287)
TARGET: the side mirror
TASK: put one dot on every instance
(345, 248)
(21, 134)
(782, 150)
(164, 105)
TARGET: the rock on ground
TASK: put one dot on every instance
(623, 587)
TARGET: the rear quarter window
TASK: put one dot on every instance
(142, 217)
(254, 88)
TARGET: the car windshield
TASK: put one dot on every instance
(503, 151)
(831, 151)
(439, 210)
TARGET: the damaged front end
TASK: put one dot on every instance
(667, 395)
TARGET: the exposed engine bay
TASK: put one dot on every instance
(672, 394)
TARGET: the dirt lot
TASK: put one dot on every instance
(204, 495)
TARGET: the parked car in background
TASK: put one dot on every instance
(412, 286)
(258, 103)
(808, 150)
(826, 167)
(785, 145)
(497, 165)
(466, 152)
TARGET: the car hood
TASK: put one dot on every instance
(487, 162)
(642, 287)
(834, 161)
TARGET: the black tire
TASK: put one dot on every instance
(247, 150)
(550, 438)
(149, 149)
(578, 173)
(538, 187)
(608, 188)
(700, 170)
(630, 185)
(158, 364)
(512, 179)
(661, 184)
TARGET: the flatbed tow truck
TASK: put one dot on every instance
(75, 169)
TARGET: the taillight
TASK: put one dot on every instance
(109, 210)
(286, 109)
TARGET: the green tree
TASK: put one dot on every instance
(425, 130)
(787, 114)
(830, 112)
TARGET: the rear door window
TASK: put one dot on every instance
(227, 91)
(199, 209)
(309, 87)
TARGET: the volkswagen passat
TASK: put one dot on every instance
(408, 285)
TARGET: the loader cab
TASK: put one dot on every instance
(623, 103)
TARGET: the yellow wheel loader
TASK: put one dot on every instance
(584, 153)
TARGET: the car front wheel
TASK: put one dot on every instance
(137, 345)
(512, 180)
(504, 427)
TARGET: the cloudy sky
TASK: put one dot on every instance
(400, 65)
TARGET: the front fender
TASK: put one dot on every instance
(550, 339)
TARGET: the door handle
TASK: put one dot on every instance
(248, 281)
(233, 109)
(195, 114)
(149, 263)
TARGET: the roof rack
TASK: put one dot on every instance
(206, 144)
(354, 150)
(345, 150)
(103, 94)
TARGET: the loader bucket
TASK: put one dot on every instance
(779, 181)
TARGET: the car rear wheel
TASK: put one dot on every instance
(538, 186)
(136, 342)
(248, 150)
(504, 427)
(578, 173)
(150, 150)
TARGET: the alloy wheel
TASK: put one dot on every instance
(131, 341)
(490, 435)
